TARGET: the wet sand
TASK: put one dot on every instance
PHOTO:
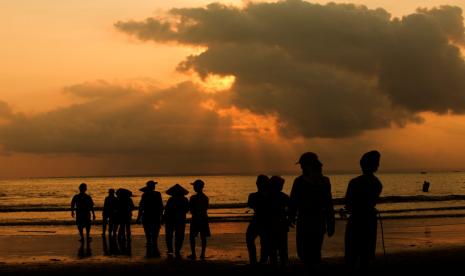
(421, 244)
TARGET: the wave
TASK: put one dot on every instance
(337, 201)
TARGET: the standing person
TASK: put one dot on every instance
(150, 212)
(311, 202)
(81, 207)
(279, 225)
(124, 208)
(360, 201)
(174, 218)
(108, 213)
(198, 206)
(258, 203)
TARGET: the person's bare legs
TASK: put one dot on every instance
(203, 239)
(81, 232)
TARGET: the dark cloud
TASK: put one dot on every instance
(139, 130)
(331, 70)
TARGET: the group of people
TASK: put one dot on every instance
(117, 216)
(310, 209)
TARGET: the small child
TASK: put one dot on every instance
(81, 207)
(198, 206)
(174, 218)
(108, 213)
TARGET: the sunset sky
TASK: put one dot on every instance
(118, 87)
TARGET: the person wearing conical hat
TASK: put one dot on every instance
(174, 218)
(150, 212)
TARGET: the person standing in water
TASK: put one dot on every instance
(82, 206)
(150, 212)
(108, 213)
(360, 202)
(311, 202)
(198, 206)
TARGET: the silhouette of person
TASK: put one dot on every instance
(279, 224)
(258, 203)
(150, 212)
(360, 201)
(198, 206)
(108, 213)
(82, 206)
(174, 218)
(124, 208)
(311, 202)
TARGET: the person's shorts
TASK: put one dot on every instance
(200, 227)
(83, 219)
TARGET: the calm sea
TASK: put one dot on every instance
(46, 200)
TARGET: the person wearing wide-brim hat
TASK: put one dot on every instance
(198, 206)
(174, 218)
(150, 212)
(311, 202)
(124, 207)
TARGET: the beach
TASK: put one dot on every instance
(39, 250)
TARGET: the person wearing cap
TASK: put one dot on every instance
(82, 206)
(311, 209)
(150, 212)
(108, 213)
(174, 218)
(360, 202)
(198, 206)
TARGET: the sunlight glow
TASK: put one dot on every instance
(216, 83)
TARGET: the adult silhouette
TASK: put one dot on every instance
(82, 206)
(258, 203)
(124, 208)
(150, 212)
(311, 203)
(360, 201)
(108, 213)
(174, 218)
(198, 206)
(279, 224)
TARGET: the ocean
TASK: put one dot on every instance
(46, 201)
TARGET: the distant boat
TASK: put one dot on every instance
(423, 172)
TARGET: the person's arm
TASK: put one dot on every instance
(292, 211)
(73, 203)
(141, 209)
(330, 220)
(92, 208)
(348, 200)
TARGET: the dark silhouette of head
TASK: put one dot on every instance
(111, 192)
(370, 162)
(262, 182)
(276, 183)
(310, 164)
(149, 186)
(177, 191)
(198, 185)
(83, 187)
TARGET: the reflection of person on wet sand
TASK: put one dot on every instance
(82, 206)
(84, 251)
(150, 212)
(312, 203)
(258, 202)
(360, 201)
(175, 218)
(198, 206)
